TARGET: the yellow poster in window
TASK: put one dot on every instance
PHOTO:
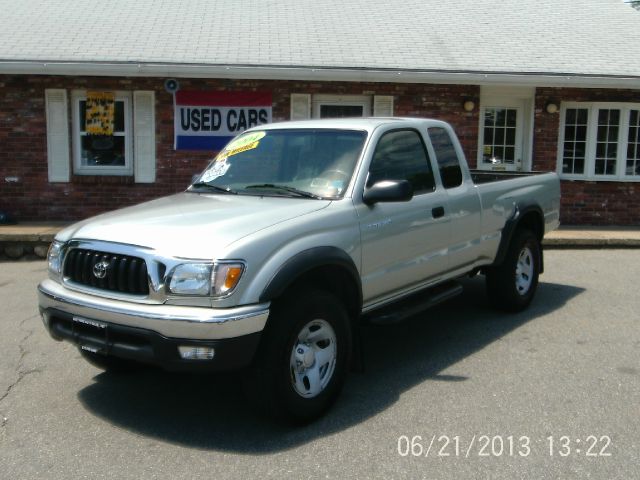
(100, 113)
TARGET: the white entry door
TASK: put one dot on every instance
(505, 133)
(501, 138)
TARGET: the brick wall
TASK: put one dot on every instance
(584, 203)
(23, 151)
(23, 143)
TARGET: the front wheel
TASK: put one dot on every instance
(512, 285)
(300, 366)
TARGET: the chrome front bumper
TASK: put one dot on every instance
(172, 321)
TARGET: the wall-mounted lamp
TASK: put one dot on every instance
(551, 107)
(468, 105)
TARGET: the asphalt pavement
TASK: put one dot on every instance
(458, 392)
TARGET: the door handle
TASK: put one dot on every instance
(437, 212)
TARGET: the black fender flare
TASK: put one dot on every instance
(522, 210)
(304, 262)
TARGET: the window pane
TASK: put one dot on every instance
(118, 121)
(581, 133)
(509, 154)
(607, 147)
(448, 162)
(582, 116)
(83, 115)
(401, 155)
(575, 136)
(603, 117)
(499, 133)
(488, 136)
(341, 111)
(98, 150)
(118, 124)
(633, 145)
(489, 117)
(602, 134)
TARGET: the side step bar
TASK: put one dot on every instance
(416, 303)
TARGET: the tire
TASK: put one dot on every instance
(302, 360)
(108, 363)
(512, 285)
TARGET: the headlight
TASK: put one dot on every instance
(191, 279)
(54, 259)
(218, 280)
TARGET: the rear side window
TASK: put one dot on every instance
(401, 155)
(448, 161)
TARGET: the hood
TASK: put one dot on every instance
(191, 225)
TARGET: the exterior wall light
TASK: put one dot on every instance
(552, 107)
(468, 105)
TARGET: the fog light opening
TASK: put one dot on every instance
(190, 352)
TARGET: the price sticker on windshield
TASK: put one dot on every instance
(242, 144)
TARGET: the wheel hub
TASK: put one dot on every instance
(313, 358)
(305, 356)
(524, 271)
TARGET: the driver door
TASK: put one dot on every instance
(404, 244)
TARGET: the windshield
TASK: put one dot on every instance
(312, 163)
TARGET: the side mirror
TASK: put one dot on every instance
(388, 191)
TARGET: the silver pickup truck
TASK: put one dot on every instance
(293, 236)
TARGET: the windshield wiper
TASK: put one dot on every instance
(211, 187)
(284, 188)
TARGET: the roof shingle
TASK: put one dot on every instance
(598, 37)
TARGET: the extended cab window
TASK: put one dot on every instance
(448, 162)
(401, 155)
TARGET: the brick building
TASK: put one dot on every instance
(545, 85)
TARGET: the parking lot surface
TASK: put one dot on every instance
(457, 392)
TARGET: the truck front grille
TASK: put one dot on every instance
(107, 271)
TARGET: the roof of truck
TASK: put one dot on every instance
(356, 123)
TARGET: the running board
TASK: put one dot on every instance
(416, 303)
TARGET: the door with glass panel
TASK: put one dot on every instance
(341, 106)
(501, 139)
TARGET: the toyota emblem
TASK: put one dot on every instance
(100, 269)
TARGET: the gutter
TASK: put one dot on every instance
(275, 72)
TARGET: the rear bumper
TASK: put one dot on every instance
(152, 333)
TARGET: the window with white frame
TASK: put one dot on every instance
(305, 105)
(599, 141)
(103, 154)
(341, 106)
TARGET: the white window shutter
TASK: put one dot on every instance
(57, 134)
(383, 106)
(300, 106)
(144, 137)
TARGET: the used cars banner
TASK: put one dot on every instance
(208, 120)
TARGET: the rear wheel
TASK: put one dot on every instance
(512, 285)
(301, 364)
